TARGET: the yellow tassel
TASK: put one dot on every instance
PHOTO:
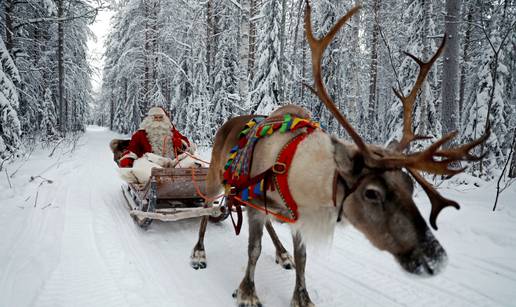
(295, 122)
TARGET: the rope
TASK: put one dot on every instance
(276, 215)
(195, 158)
(198, 190)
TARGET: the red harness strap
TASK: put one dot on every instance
(279, 173)
(281, 169)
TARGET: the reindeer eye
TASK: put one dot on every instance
(373, 194)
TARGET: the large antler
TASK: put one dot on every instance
(432, 159)
(317, 47)
(408, 101)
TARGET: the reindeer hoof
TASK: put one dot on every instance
(250, 300)
(198, 259)
(301, 299)
(285, 260)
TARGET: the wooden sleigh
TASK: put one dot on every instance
(171, 194)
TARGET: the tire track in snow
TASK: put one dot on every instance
(384, 285)
(32, 256)
(82, 277)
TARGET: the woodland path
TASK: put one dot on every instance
(76, 245)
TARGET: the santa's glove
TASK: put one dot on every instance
(126, 162)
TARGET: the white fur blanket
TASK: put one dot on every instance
(142, 167)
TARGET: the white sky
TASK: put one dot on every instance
(100, 29)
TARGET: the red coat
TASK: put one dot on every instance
(139, 145)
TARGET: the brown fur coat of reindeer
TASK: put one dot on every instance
(375, 185)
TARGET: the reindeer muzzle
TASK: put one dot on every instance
(428, 258)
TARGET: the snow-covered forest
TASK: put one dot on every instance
(207, 61)
(68, 238)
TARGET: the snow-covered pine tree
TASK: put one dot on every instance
(10, 130)
(490, 102)
(47, 117)
(226, 101)
(266, 83)
(77, 69)
(419, 27)
(31, 43)
(324, 17)
(337, 72)
(130, 74)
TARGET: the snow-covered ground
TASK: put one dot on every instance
(71, 242)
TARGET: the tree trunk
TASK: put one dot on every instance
(426, 94)
(465, 60)
(254, 8)
(512, 168)
(9, 31)
(450, 76)
(282, 60)
(60, 66)
(144, 105)
(154, 39)
(111, 109)
(373, 73)
(244, 52)
(355, 74)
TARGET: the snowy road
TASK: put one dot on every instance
(72, 243)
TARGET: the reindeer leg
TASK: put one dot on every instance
(300, 297)
(213, 187)
(198, 258)
(282, 256)
(246, 292)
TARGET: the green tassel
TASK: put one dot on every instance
(264, 130)
(286, 120)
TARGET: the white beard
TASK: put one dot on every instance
(159, 135)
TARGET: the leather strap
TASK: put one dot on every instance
(281, 175)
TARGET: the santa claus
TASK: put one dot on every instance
(156, 135)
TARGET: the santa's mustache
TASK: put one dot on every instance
(150, 124)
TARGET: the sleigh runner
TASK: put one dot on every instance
(171, 194)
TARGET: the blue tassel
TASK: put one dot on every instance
(245, 194)
(258, 188)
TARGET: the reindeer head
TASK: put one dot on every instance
(379, 199)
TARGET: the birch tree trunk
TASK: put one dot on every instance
(373, 73)
(254, 9)
(282, 60)
(244, 53)
(209, 43)
(450, 76)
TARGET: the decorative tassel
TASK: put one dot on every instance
(286, 120)
(245, 194)
(258, 188)
(295, 122)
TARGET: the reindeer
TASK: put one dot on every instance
(374, 183)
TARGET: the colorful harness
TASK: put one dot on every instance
(241, 187)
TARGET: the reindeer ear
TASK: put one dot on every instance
(348, 158)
